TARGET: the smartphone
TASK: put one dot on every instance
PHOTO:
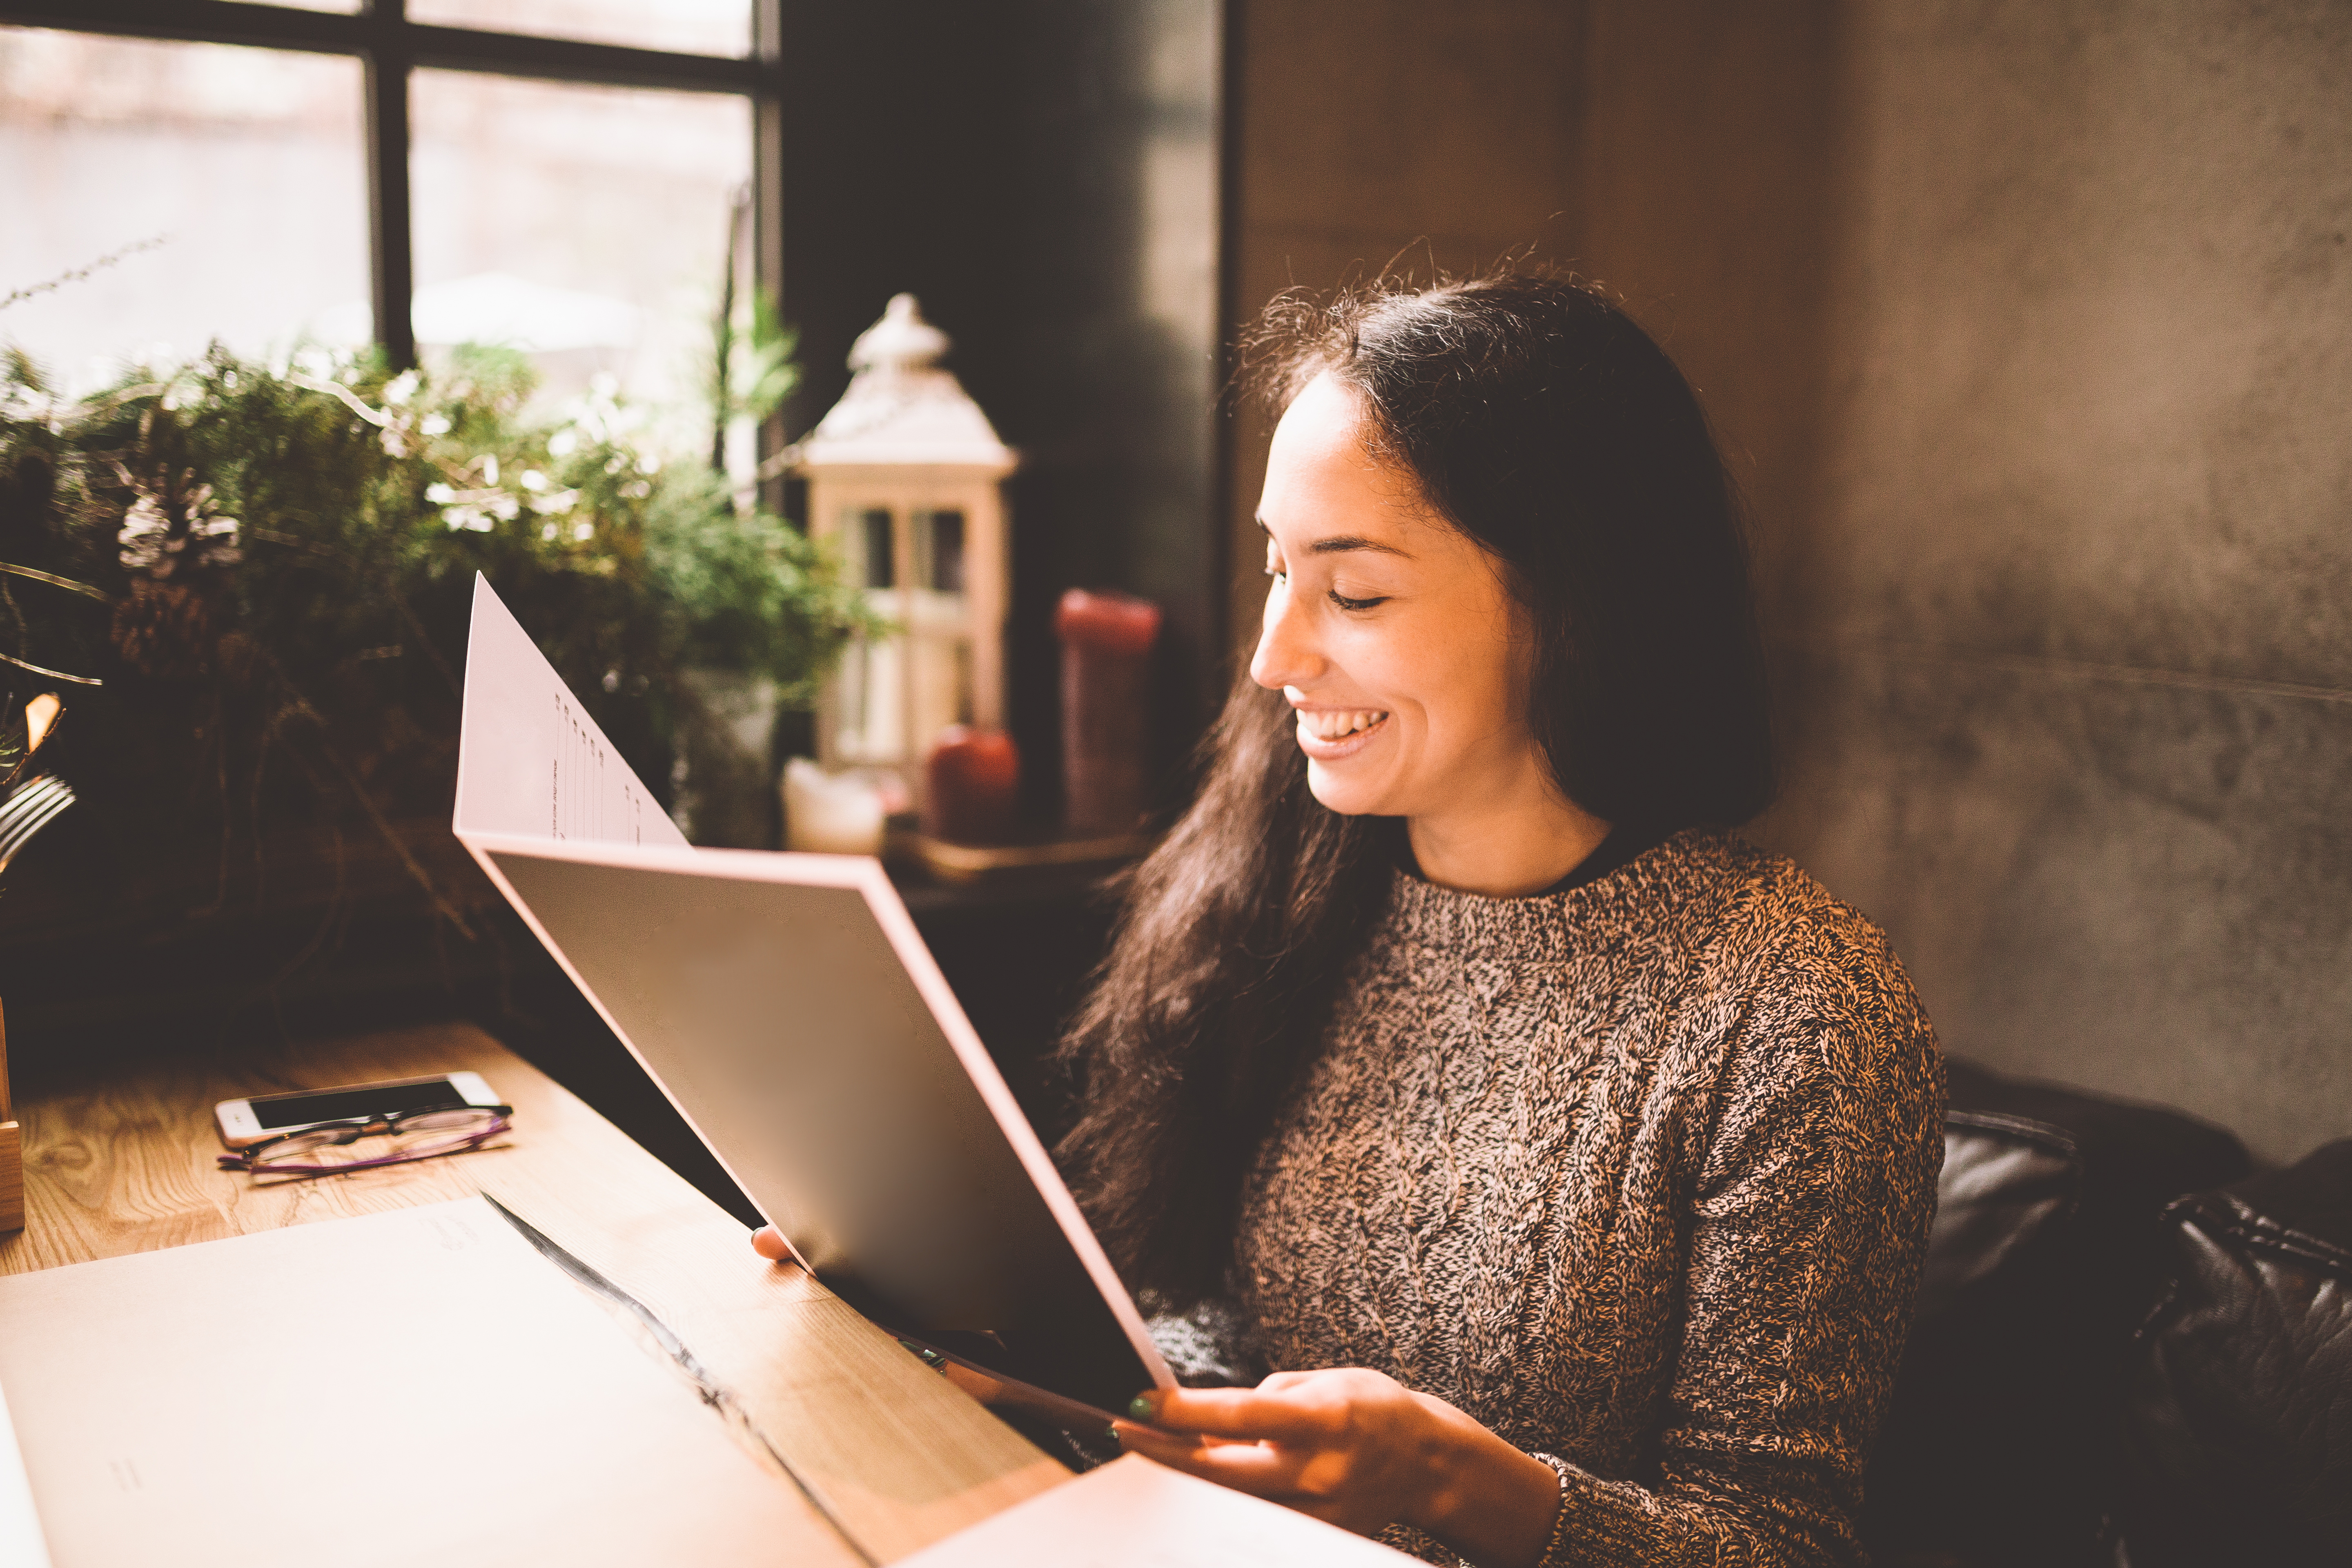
(245, 1122)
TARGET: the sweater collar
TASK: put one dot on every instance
(1639, 892)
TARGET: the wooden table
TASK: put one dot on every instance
(129, 1165)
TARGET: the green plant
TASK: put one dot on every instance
(250, 585)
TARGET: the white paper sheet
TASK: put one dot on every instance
(21, 1542)
(402, 1388)
(530, 760)
(1132, 1513)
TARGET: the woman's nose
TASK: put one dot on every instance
(1287, 654)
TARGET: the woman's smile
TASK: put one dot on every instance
(1334, 734)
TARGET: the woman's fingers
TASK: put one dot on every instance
(1247, 1414)
(1350, 1445)
(769, 1243)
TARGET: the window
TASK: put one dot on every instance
(574, 177)
(695, 27)
(235, 179)
(596, 236)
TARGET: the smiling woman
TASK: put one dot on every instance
(1397, 640)
(1557, 1164)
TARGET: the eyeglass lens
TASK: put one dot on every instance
(347, 1144)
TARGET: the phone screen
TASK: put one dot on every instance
(276, 1110)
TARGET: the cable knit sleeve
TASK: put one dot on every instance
(1812, 1139)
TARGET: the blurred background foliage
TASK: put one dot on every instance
(250, 585)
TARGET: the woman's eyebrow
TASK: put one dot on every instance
(1340, 543)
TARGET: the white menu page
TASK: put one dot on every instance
(397, 1390)
(22, 1544)
(531, 763)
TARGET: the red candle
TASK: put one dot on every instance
(970, 785)
(1105, 723)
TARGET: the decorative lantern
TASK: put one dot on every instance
(904, 479)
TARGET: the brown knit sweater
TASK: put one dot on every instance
(1638, 1174)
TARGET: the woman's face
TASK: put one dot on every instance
(1391, 631)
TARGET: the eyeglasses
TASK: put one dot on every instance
(319, 1151)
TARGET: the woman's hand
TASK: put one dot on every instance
(1360, 1450)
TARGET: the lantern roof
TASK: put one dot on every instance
(903, 407)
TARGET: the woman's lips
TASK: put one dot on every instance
(1341, 747)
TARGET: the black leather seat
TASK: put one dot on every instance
(2237, 1417)
(1999, 1447)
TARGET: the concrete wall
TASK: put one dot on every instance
(2028, 327)
(2033, 322)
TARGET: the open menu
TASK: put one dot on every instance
(787, 1006)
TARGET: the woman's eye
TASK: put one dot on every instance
(1345, 603)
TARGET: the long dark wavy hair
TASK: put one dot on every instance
(1538, 418)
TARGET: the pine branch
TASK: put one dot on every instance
(79, 273)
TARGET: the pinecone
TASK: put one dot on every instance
(172, 528)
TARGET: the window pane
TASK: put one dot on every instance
(587, 224)
(248, 162)
(690, 27)
(943, 532)
(874, 548)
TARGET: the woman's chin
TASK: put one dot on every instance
(1333, 790)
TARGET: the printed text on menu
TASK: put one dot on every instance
(592, 794)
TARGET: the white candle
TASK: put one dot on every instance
(828, 815)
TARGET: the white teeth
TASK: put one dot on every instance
(1327, 724)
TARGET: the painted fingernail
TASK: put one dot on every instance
(1111, 1432)
(1140, 1407)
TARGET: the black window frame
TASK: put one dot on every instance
(389, 47)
